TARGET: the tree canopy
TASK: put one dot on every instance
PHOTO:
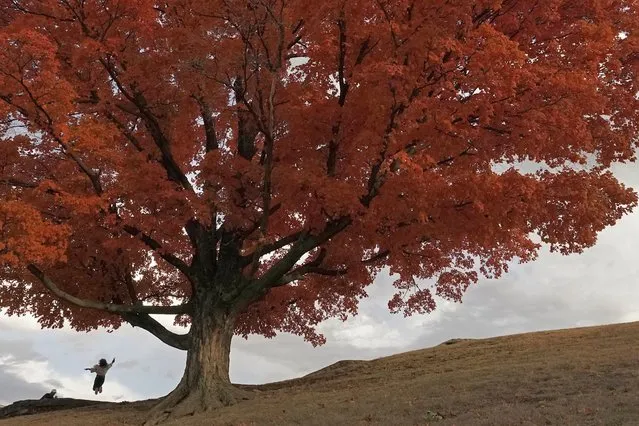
(276, 155)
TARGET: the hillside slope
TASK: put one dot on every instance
(586, 376)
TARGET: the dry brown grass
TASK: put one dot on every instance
(585, 376)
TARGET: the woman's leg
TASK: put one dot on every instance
(97, 384)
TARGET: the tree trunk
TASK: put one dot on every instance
(205, 384)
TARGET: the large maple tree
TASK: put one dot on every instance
(250, 165)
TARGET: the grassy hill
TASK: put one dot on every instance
(585, 376)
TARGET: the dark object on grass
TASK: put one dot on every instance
(50, 395)
(37, 406)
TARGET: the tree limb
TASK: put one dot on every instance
(333, 144)
(18, 183)
(374, 179)
(303, 245)
(128, 280)
(269, 143)
(306, 242)
(125, 131)
(209, 124)
(256, 225)
(146, 322)
(378, 256)
(204, 241)
(312, 267)
(304, 270)
(173, 170)
(157, 247)
(274, 246)
(15, 5)
(107, 307)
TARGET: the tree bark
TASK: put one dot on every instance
(205, 384)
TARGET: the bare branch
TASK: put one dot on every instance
(107, 307)
(146, 322)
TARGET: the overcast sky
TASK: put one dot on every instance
(597, 287)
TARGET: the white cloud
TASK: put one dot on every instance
(41, 372)
(22, 323)
(364, 332)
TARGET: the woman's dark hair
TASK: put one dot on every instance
(103, 362)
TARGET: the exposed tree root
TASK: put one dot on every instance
(184, 402)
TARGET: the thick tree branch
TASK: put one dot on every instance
(274, 246)
(204, 242)
(469, 151)
(17, 183)
(107, 307)
(173, 170)
(248, 121)
(125, 131)
(146, 322)
(365, 48)
(209, 124)
(304, 244)
(333, 144)
(269, 143)
(376, 257)
(267, 156)
(299, 273)
(92, 175)
(344, 85)
(127, 277)
(157, 247)
(312, 267)
(256, 225)
(341, 59)
(376, 177)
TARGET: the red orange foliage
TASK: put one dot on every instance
(282, 153)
